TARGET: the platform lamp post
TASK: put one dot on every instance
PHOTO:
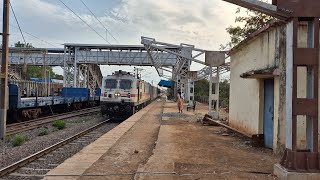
(4, 70)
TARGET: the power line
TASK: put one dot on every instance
(99, 21)
(15, 17)
(35, 36)
(84, 22)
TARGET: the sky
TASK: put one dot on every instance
(200, 23)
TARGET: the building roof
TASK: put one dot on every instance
(164, 83)
(261, 73)
(254, 35)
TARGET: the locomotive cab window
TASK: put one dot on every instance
(111, 83)
(125, 84)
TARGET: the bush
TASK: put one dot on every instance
(59, 124)
(43, 132)
(19, 140)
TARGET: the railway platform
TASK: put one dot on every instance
(159, 143)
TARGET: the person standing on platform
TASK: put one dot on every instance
(24, 92)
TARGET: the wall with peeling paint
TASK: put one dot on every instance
(266, 50)
(246, 95)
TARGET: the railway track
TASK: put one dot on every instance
(67, 143)
(35, 123)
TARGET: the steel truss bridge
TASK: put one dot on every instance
(80, 62)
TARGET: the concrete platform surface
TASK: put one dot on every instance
(75, 166)
(164, 144)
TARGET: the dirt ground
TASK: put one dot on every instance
(180, 147)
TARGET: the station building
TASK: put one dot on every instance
(258, 86)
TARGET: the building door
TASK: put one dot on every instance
(268, 112)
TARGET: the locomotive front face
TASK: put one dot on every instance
(117, 95)
(117, 90)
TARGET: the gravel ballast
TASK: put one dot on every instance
(10, 154)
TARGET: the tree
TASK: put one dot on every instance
(36, 71)
(224, 91)
(245, 26)
(201, 88)
(22, 45)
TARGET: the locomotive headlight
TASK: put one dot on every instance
(117, 94)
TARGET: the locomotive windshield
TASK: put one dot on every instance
(125, 84)
(111, 83)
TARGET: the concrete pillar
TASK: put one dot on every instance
(75, 69)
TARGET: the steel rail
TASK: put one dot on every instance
(32, 124)
(9, 169)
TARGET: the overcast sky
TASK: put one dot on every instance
(201, 23)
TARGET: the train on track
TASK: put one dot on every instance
(22, 108)
(123, 93)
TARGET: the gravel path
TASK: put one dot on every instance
(10, 154)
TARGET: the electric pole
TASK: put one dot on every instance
(4, 70)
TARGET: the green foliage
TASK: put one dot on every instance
(224, 91)
(19, 140)
(245, 26)
(22, 45)
(59, 124)
(43, 132)
(38, 71)
(201, 88)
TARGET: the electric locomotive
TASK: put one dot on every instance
(122, 94)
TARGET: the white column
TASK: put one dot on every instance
(75, 68)
(289, 84)
(64, 67)
(210, 90)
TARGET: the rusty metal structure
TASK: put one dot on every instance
(294, 12)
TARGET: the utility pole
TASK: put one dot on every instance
(4, 70)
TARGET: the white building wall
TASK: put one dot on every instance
(245, 94)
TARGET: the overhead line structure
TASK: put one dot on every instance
(4, 69)
(84, 21)
(99, 21)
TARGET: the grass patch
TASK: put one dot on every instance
(43, 132)
(18, 140)
(59, 124)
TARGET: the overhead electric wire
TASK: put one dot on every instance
(99, 21)
(84, 21)
(15, 17)
(35, 36)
